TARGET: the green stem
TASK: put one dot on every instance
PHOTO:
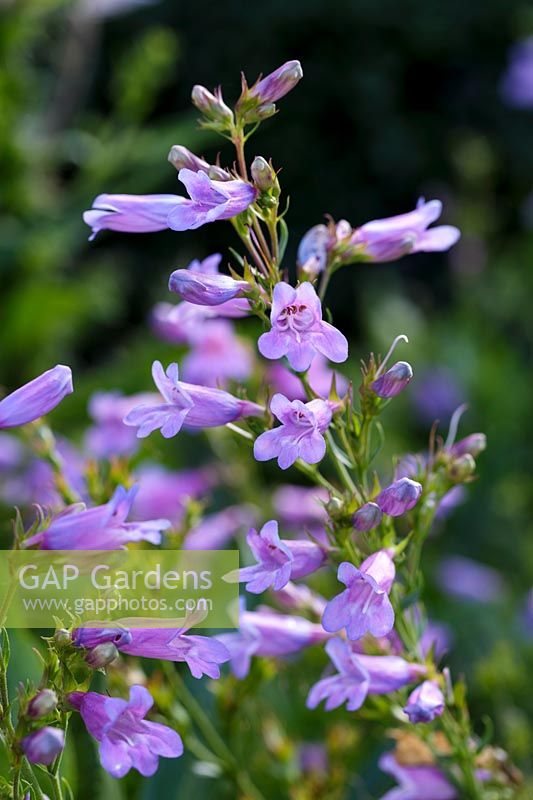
(29, 776)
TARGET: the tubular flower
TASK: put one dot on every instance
(419, 782)
(126, 739)
(186, 404)
(44, 745)
(210, 200)
(278, 560)
(399, 497)
(425, 703)
(131, 213)
(300, 434)
(391, 238)
(103, 527)
(298, 330)
(364, 606)
(36, 398)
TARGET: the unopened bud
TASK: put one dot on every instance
(62, 637)
(102, 655)
(367, 517)
(263, 174)
(473, 444)
(278, 83)
(400, 497)
(462, 468)
(42, 704)
(393, 381)
(212, 105)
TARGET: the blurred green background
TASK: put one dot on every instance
(398, 100)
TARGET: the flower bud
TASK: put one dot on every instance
(277, 84)
(182, 158)
(44, 745)
(399, 497)
(62, 637)
(43, 703)
(102, 655)
(203, 289)
(462, 468)
(425, 703)
(393, 381)
(212, 105)
(367, 517)
(263, 175)
(473, 444)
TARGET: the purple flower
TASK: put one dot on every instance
(348, 686)
(299, 597)
(126, 739)
(268, 634)
(301, 506)
(36, 398)
(182, 158)
(449, 501)
(209, 200)
(471, 445)
(163, 493)
(278, 560)
(179, 323)
(202, 654)
(359, 675)
(436, 637)
(391, 238)
(186, 404)
(44, 745)
(205, 289)
(364, 606)
(103, 527)
(313, 250)
(470, 580)
(11, 452)
(131, 213)
(298, 330)
(420, 782)
(110, 436)
(517, 83)
(277, 84)
(298, 436)
(214, 531)
(399, 497)
(393, 381)
(425, 703)
(217, 355)
(367, 517)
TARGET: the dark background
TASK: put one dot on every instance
(398, 100)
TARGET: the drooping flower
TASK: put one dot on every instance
(416, 782)
(425, 703)
(276, 84)
(268, 634)
(217, 355)
(400, 497)
(367, 517)
(210, 200)
(298, 330)
(131, 213)
(186, 404)
(202, 654)
(364, 606)
(391, 238)
(103, 527)
(214, 531)
(298, 436)
(359, 675)
(278, 560)
(110, 436)
(393, 381)
(44, 745)
(36, 398)
(126, 738)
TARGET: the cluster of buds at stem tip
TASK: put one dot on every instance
(257, 102)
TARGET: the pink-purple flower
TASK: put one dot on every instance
(109, 436)
(44, 745)
(202, 284)
(102, 527)
(127, 740)
(131, 213)
(278, 560)
(367, 517)
(277, 84)
(185, 404)
(36, 398)
(393, 381)
(425, 702)
(364, 606)
(391, 238)
(298, 330)
(217, 355)
(300, 434)
(400, 497)
(210, 200)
